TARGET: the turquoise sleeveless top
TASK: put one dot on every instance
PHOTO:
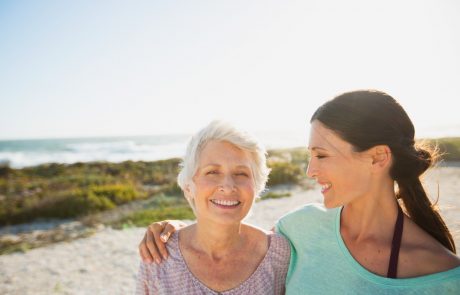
(321, 264)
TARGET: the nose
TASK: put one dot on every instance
(312, 170)
(228, 184)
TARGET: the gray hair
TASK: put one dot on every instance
(222, 131)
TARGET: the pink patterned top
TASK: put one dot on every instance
(173, 276)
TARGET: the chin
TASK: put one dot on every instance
(330, 205)
(228, 220)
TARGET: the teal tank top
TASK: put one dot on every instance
(321, 263)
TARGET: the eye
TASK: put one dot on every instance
(242, 174)
(320, 156)
(212, 172)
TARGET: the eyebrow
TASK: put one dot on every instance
(218, 165)
(315, 148)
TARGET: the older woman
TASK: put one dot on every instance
(222, 172)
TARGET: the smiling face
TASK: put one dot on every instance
(224, 188)
(344, 175)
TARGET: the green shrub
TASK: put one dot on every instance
(300, 156)
(283, 173)
(47, 170)
(3, 186)
(97, 203)
(5, 169)
(274, 195)
(116, 193)
(449, 148)
(71, 203)
(172, 190)
(145, 217)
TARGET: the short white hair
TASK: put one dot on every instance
(223, 131)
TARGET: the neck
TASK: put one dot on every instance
(216, 240)
(373, 216)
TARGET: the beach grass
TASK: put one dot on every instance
(70, 191)
(449, 148)
(275, 195)
(127, 194)
(145, 217)
(83, 189)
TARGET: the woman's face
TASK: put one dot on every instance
(343, 174)
(224, 183)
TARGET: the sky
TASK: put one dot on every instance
(116, 68)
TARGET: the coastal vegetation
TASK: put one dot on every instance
(81, 189)
(126, 194)
(449, 148)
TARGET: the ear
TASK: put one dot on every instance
(189, 192)
(381, 157)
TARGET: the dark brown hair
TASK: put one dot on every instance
(367, 118)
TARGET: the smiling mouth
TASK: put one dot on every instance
(225, 203)
(325, 187)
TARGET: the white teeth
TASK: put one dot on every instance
(225, 202)
(326, 186)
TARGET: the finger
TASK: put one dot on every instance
(160, 238)
(167, 232)
(164, 237)
(177, 224)
(151, 246)
(143, 251)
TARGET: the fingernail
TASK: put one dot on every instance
(164, 237)
(148, 260)
(158, 261)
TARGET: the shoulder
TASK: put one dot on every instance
(307, 215)
(255, 234)
(439, 260)
(280, 247)
(153, 271)
(167, 277)
(421, 254)
(257, 238)
(173, 243)
(264, 242)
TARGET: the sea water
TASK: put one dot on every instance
(31, 152)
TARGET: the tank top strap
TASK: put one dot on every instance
(396, 245)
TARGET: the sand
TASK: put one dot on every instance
(107, 262)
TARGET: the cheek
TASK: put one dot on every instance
(248, 188)
(358, 181)
(244, 182)
(204, 188)
(206, 183)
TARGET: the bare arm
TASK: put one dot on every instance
(152, 247)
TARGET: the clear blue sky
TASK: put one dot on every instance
(95, 68)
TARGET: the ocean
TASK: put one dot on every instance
(24, 153)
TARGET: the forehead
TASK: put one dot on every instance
(220, 152)
(323, 138)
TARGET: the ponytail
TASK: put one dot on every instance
(406, 171)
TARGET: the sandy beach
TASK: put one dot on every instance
(107, 262)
